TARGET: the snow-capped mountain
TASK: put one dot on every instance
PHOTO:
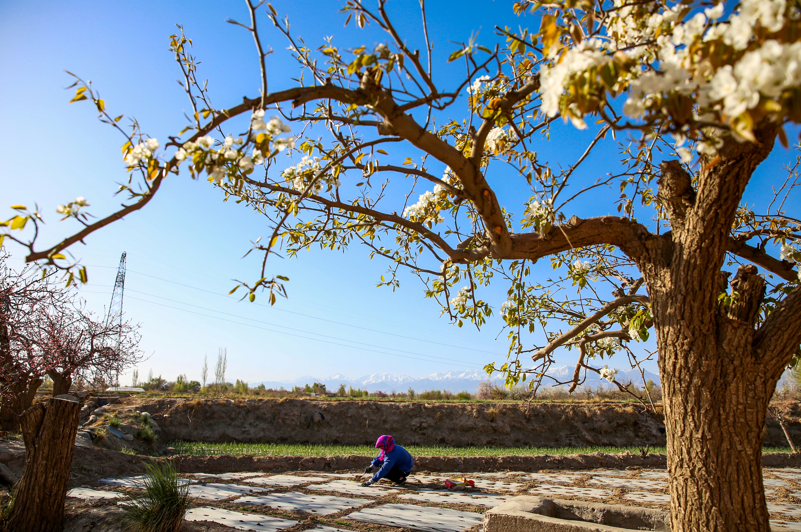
(453, 381)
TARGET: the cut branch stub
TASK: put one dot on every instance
(747, 290)
(675, 191)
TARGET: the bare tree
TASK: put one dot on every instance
(204, 373)
(222, 366)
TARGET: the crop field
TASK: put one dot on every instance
(273, 449)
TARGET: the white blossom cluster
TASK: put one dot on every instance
(590, 53)
(608, 374)
(479, 85)
(789, 253)
(217, 161)
(459, 301)
(722, 93)
(608, 344)
(308, 169)
(425, 210)
(539, 214)
(73, 206)
(581, 267)
(273, 128)
(141, 152)
(497, 140)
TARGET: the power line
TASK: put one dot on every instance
(443, 361)
(318, 318)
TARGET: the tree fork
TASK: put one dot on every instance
(48, 429)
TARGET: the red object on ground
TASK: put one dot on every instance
(459, 484)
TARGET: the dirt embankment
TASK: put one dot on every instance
(413, 423)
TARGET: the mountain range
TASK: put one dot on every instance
(452, 381)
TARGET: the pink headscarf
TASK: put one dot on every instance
(386, 444)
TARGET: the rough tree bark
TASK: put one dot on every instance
(48, 429)
(19, 400)
(716, 386)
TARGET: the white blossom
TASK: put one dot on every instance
(218, 174)
(180, 155)
(152, 144)
(62, 209)
(425, 210)
(302, 174)
(497, 139)
(789, 253)
(539, 213)
(460, 300)
(190, 146)
(205, 142)
(229, 141)
(714, 13)
(231, 154)
(81, 202)
(246, 163)
(608, 343)
(581, 267)
(608, 374)
(478, 85)
(685, 155)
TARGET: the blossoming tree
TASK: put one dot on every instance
(396, 162)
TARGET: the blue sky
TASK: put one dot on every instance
(185, 248)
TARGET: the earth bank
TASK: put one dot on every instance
(413, 423)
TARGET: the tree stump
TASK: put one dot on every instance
(48, 429)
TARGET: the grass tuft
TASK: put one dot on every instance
(146, 434)
(115, 422)
(162, 506)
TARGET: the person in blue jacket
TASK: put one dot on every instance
(394, 461)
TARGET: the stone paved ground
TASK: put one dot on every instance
(327, 502)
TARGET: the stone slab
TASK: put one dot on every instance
(654, 474)
(551, 490)
(647, 496)
(789, 475)
(524, 514)
(488, 500)
(303, 502)
(785, 509)
(227, 476)
(555, 478)
(132, 482)
(218, 492)
(628, 483)
(777, 525)
(608, 472)
(286, 481)
(352, 488)
(239, 520)
(775, 483)
(93, 495)
(422, 518)
(497, 485)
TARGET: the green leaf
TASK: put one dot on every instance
(101, 105)
(19, 207)
(252, 297)
(18, 222)
(83, 275)
(455, 55)
(234, 290)
(58, 256)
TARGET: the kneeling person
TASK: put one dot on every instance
(395, 462)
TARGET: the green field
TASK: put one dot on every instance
(272, 449)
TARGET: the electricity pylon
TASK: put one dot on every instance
(115, 307)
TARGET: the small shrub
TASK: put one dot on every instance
(162, 506)
(115, 422)
(126, 450)
(100, 436)
(146, 434)
(464, 396)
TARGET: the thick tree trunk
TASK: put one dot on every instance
(13, 407)
(714, 446)
(49, 430)
(61, 383)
